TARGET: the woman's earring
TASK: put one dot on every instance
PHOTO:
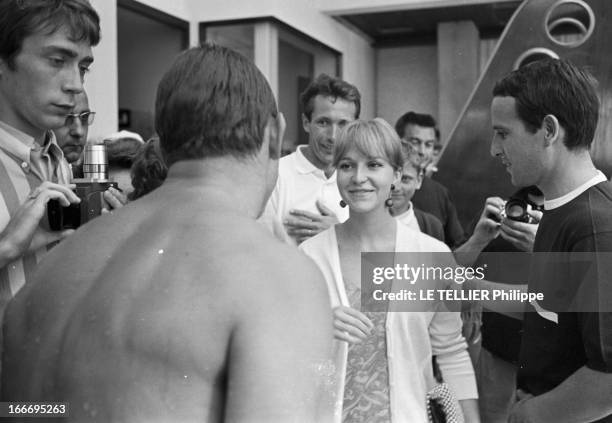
(342, 204)
(389, 201)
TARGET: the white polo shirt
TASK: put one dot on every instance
(300, 184)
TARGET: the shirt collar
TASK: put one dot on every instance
(304, 166)
(560, 201)
(408, 214)
(19, 144)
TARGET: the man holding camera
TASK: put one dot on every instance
(503, 227)
(544, 117)
(45, 51)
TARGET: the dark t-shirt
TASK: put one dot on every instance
(434, 198)
(552, 351)
(501, 335)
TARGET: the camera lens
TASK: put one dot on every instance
(95, 163)
(516, 209)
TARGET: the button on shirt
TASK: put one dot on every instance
(300, 184)
(24, 165)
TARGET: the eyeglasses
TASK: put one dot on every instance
(86, 118)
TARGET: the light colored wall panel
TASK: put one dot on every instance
(407, 80)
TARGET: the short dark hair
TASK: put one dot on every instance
(213, 102)
(149, 169)
(413, 118)
(327, 86)
(554, 87)
(21, 18)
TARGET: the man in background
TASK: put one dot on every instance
(403, 209)
(418, 134)
(306, 200)
(72, 137)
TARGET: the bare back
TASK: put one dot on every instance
(175, 308)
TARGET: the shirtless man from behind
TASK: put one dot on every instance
(179, 307)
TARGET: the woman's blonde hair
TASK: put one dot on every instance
(372, 138)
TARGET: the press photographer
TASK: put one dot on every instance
(45, 51)
(90, 189)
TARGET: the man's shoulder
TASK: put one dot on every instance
(591, 207)
(431, 224)
(287, 172)
(261, 255)
(601, 194)
(427, 216)
(596, 208)
(288, 163)
(583, 223)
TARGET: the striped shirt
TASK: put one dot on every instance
(24, 165)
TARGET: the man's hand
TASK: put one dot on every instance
(115, 199)
(521, 234)
(486, 230)
(351, 325)
(303, 224)
(488, 226)
(23, 233)
(521, 411)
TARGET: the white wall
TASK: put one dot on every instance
(359, 68)
(407, 80)
(369, 6)
(299, 14)
(358, 57)
(101, 83)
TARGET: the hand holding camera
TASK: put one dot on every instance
(521, 232)
(517, 220)
(488, 225)
(23, 232)
(90, 190)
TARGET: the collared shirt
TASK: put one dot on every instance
(24, 165)
(299, 186)
(409, 219)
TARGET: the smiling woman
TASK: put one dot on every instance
(375, 351)
(368, 164)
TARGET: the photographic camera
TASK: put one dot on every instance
(516, 209)
(89, 189)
